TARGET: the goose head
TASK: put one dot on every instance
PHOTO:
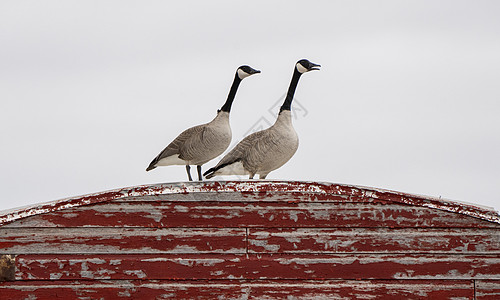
(245, 71)
(304, 66)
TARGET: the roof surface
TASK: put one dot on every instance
(351, 191)
(250, 240)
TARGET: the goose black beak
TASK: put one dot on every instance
(314, 66)
(255, 71)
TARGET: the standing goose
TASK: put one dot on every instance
(267, 150)
(200, 144)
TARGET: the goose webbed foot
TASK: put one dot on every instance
(200, 177)
(188, 170)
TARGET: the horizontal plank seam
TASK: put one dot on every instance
(270, 254)
(247, 226)
(309, 280)
(259, 281)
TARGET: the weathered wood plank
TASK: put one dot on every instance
(487, 289)
(242, 214)
(114, 289)
(369, 240)
(197, 267)
(249, 196)
(191, 240)
(121, 240)
(138, 289)
(329, 191)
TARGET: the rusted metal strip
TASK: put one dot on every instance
(487, 289)
(251, 214)
(121, 240)
(139, 289)
(255, 186)
(366, 240)
(7, 267)
(197, 267)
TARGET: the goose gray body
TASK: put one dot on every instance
(197, 145)
(200, 144)
(265, 151)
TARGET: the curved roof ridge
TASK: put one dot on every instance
(473, 210)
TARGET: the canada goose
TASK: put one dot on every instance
(267, 150)
(200, 144)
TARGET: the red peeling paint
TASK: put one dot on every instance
(252, 267)
(160, 214)
(365, 240)
(487, 289)
(326, 190)
(409, 289)
(251, 240)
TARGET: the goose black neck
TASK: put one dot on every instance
(232, 93)
(291, 91)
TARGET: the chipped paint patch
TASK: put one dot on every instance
(137, 273)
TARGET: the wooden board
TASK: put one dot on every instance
(241, 214)
(256, 191)
(139, 289)
(225, 266)
(240, 240)
(374, 240)
(487, 289)
(122, 240)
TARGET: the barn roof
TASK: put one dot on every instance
(250, 240)
(202, 189)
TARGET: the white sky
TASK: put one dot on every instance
(408, 97)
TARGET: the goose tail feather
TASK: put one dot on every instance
(151, 166)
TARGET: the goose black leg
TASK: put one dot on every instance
(188, 170)
(251, 176)
(200, 178)
(263, 176)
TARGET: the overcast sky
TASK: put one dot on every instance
(408, 97)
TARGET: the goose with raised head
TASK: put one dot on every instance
(267, 150)
(200, 144)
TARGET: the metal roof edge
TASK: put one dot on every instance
(476, 211)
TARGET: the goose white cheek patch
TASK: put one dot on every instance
(242, 74)
(301, 68)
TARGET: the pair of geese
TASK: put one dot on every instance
(259, 153)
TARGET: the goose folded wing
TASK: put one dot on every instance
(176, 145)
(241, 150)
